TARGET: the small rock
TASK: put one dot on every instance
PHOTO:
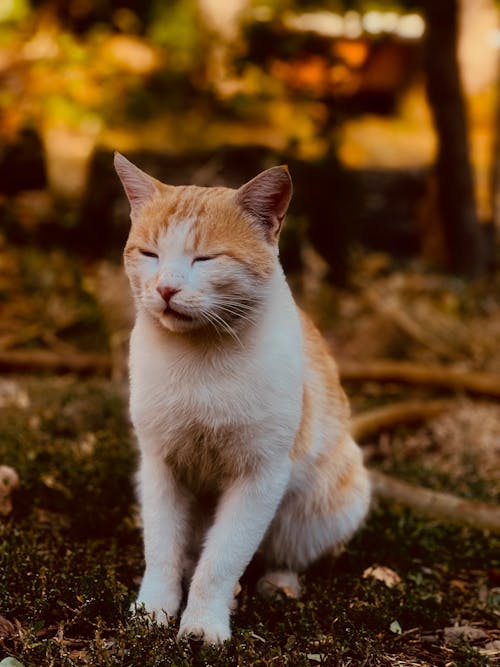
(493, 646)
(455, 634)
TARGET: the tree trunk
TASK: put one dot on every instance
(495, 167)
(453, 167)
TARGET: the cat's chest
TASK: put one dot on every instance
(180, 394)
(204, 425)
(176, 397)
(214, 413)
(206, 460)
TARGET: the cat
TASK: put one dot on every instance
(242, 425)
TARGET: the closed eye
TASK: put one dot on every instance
(146, 253)
(205, 258)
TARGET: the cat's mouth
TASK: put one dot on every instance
(168, 310)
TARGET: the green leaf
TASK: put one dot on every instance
(396, 628)
(11, 662)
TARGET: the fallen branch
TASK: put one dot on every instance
(436, 376)
(387, 416)
(436, 504)
(36, 361)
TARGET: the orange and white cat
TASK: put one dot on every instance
(242, 425)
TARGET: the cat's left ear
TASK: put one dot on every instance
(266, 198)
(138, 186)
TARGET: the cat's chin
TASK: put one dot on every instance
(177, 322)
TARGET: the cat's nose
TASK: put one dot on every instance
(166, 292)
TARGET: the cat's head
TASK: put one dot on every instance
(202, 257)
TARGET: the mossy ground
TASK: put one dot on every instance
(71, 559)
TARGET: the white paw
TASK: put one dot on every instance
(157, 601)
(153, 613)
(278, 582)
(209, 630)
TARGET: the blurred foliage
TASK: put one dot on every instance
(93, 64)
(53, 73)
(176, 27)
(46, 302)
(339, 6)
(169, 78)
(70, 80)
(14, 10)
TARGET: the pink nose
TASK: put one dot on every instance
(167, 292)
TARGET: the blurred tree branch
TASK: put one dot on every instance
(387, 370)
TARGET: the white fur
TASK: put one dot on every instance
(221, 417)
(234, 398)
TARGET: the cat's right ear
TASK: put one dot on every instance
(138, 186)
(266, 198)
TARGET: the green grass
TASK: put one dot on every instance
(70, 563)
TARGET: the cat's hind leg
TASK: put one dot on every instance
(279, 582)
(320, 512)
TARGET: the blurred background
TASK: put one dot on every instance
(386, 112)
(388, 116)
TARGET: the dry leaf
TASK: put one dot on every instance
(383, 574)
(460, 584)
(6, 628)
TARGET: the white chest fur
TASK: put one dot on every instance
(219, 406)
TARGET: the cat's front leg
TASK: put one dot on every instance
(164, 508)
(242, 518)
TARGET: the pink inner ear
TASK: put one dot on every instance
(266, 197)
(138, 186)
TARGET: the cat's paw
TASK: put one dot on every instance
(159, 605)
(280, 582)
(209, 630)
(150, 612)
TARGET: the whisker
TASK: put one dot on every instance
(218, 322)
(237, 314)
(235, 308)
